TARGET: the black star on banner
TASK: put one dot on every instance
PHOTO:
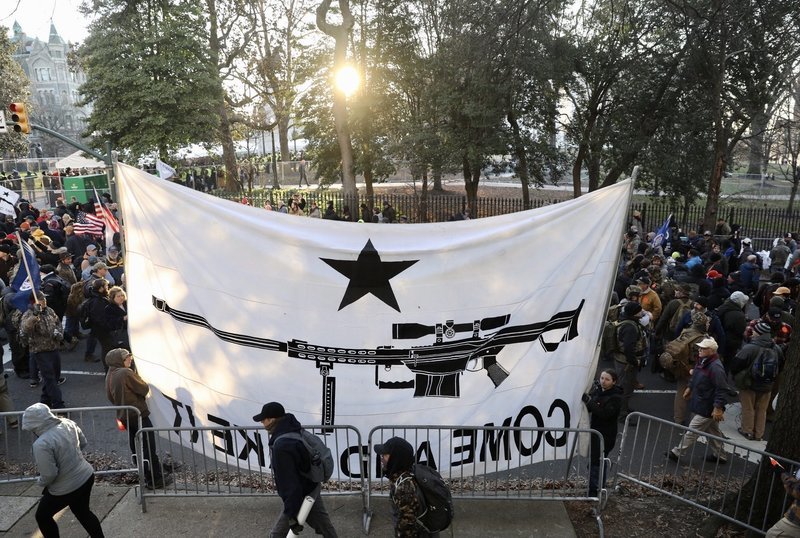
(368, 274)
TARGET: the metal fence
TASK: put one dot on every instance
(234, 461)
(762, 224)
(501, 462)
(107, 449)
(707, 485)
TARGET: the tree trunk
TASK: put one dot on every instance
(226, 139)
(283, 134)
(522, 160)
(758, 128)
(472, 177)
(341, 33)
(436, 172)
(228, 151)
(577, 166)
(422, 213)
(594, 169)
(369, 177)
(793, 193)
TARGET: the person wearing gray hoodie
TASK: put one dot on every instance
(67, 478)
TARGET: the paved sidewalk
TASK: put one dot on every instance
(120, 512)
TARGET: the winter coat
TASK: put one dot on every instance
(709, 386)
(57, 451)
(287, 458)
(41, 332)
(733, 323)
(124, 386)
(746, 357)
(651, 302)
(604, 406)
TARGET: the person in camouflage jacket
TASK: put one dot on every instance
(41, 330)
(397, 458)
(789, 525)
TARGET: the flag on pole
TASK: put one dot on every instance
(28, 278)
(8, 200)
(165, 171)
(662, 234)
(104, 213)
(86, 223)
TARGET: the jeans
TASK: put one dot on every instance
(78, 502)
(49, 363)
(71, 329)
(152, 467)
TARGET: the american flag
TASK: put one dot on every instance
(88, 224)
(106, 216)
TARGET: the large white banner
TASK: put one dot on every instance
(486, 321)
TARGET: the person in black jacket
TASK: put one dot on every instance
(288, 457)
(604, 402)
(97, 304)
(731, 315)
(631, 348)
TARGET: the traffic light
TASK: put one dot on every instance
(19, 118)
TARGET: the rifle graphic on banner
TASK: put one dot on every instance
(436, 367)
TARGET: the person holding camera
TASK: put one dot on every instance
(41, 330)
(604, 403)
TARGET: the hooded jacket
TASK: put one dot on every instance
(287, 458)
(57, 451)
(124, 386)
(734, 323)
(748, 355)
(403, 488)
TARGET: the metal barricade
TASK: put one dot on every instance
(107, 448)
(500, 462)
(234, 461)
(696, 479)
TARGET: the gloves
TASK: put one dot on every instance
(717, 414)
(295, 527)
(586, 398)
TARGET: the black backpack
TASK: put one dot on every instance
(765, 367)
(85, 314)
(434, 497)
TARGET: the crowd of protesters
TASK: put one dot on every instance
(680, 305)
(81, 286)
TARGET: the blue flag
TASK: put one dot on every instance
(22, 284)
(662, 234)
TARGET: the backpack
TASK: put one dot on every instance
(319, 455)
(641, 344)
(85, 314)
(677, 353)
(608, 341)
(685, 305)
(765, 367)
(434, 497)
